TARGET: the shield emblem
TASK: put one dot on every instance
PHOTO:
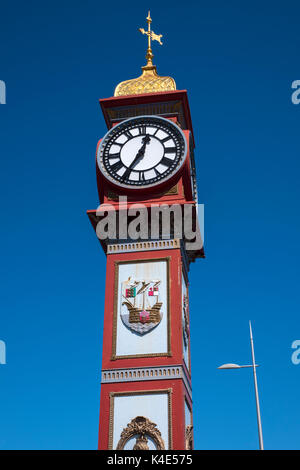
(141, 305)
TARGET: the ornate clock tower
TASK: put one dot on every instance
(147, 226)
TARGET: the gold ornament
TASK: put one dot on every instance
(141, 427)
(151, 37)
(141, 443)
(149, 81)
(189, 440)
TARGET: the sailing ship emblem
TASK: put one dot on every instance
(143, 306)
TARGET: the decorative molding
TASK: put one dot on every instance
(147, 245)
(172, 191)
(112, 396)
(141, 427)
(164, 109)
(115, 313)
(189, 437)
(142, 374)
(112, 196)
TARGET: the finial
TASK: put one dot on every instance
(151, 37)
(149, 81)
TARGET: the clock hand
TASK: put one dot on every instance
(141, 152)
(145, 140)
(139, 155)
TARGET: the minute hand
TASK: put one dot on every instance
(141, 152)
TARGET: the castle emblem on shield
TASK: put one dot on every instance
(141, 299)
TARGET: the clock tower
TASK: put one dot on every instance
(148, 228)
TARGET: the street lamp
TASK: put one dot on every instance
(253, 365)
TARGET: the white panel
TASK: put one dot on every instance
(130, 342)
(130, 443)
(188, 415)
(185, 339)
(152, 406)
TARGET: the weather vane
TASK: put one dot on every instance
(151, 37)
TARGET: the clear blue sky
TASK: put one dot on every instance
(237, 60)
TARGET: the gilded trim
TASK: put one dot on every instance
(172, 191)
(115, 311)
(112, 396)
(141, 427)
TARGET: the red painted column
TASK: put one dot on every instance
(178, 391)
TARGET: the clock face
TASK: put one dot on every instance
(142, 152)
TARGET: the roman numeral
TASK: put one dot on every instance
(170, 150)
(128, 134)
(114, 155)
(142, 176)
(142, 130)
(126, 174)
(166, 161)
(116, 166)
(166, 139)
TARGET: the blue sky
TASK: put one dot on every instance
(237, 60)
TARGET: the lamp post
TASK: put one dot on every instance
(253, 365)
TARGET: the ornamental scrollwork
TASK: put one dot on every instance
(141, 427)
(189, 440)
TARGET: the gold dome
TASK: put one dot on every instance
(149, 81)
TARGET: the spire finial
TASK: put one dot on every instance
(151, 37)
(149, 81)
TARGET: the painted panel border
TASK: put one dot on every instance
(112, 396)
(115, 312)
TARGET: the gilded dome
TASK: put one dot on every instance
(148, 82)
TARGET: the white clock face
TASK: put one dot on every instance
(142, 151)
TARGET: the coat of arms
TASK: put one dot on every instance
(143, 307)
